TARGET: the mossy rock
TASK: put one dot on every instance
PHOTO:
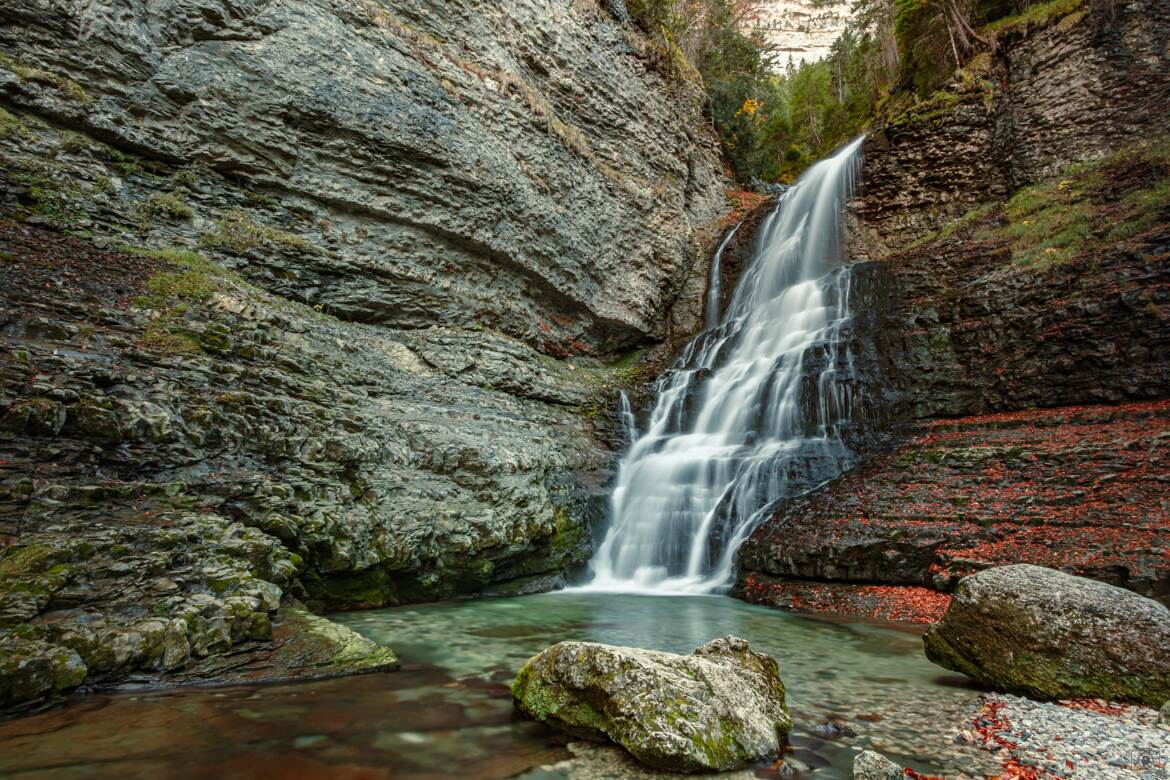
(1042, 633)
(33, 673)
(717, 709)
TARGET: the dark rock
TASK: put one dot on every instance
(35, 673)
(1043, 633)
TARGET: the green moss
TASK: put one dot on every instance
(68, 88)
(24, 561)
(547, 705)
(1091, 207)
(190, 286)
(372, 587)
(238, 233)
(1034, 17)
(172, 294)
(939, 105)
(11, 126)
(165, 207)
(54, 197)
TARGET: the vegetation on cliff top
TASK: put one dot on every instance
(893, 56)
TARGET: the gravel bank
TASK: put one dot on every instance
(1083, 739)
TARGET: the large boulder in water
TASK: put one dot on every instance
(715, 709)
(1047, 634)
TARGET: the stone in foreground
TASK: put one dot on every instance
(874, 766)
(34, 673)
(1043, 633)
(715, 709)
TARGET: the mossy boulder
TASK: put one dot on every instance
(869, 765)
(1042, 633)
(33, 673)
(716, 709)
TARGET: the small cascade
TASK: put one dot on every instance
(757, 408)
(629, 422)
(713, 282)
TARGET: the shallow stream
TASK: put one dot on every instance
(449, 711)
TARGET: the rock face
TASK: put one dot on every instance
(1006, 124)
(800, 30)
(32, 672)
(1043, 633)
(289, 294)
(1021, 331)
(512, 164)
(1079, 489)
(716, 709)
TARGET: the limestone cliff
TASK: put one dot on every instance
(313, 301)
(1018, 228)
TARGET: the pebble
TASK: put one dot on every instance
(1074, 743)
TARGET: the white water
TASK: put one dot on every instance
(713, 281)
(753, 410)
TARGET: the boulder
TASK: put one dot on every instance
(1164, 715)
(715, 709)
(33, 673)
(1043, 633)
(874, 766)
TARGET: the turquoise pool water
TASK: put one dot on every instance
(448, 713)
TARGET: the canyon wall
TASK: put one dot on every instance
(1014, 231)
(316, 303)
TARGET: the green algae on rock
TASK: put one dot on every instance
(33, 672)
(1040, 632)
(716, 709)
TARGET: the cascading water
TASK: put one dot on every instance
(755, 409)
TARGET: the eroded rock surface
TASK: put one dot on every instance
(1068, 90)
(1040, 632)
(288, 294)
(512, 164)
(716, 709)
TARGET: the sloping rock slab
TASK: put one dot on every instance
(1043, 633)
(716, 709)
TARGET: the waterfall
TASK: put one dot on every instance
(629, 422)
(754, 410)
(713, 281)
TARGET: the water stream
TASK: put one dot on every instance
(754, 410)
(449, 712)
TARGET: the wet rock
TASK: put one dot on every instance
(33, 673)
(1047, 634)
(874, 766)
(716, 709)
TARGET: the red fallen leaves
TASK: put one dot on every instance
(910, 773)
(990, 724)
(1014, 770)
(742, 201)
(1100, 706)
(1077, 488)
(40, 259)
(909, 604)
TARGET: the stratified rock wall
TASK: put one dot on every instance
(515, 164)
(288, 298)
(1069, 92)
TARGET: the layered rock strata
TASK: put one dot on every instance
(290, 291)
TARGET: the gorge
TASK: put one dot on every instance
(346, 336)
